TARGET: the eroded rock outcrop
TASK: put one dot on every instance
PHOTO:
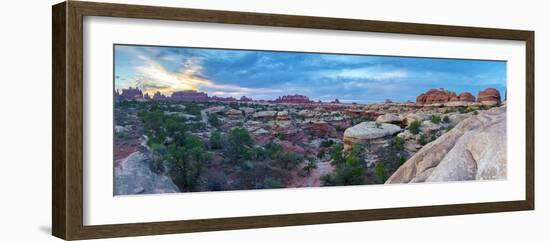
(473, 150)
(133, 176)
(369, 133)
(489, 96)
(444, 97)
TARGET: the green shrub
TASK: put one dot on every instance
(446, 119)
(239, 144)
(348, 172)
(270, 182)
(435, 119)
(414, 127)
(402, 160)
(287, 160)
(398, 143)
(158, 154)
(336, 154)
(422, 140)
(216, 140)
(214, 120)
(380, 172)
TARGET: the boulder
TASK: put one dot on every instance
(389, 118)
(367, 133)
(475, 149)
(133, 176)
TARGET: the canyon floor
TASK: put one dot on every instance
(213, 146)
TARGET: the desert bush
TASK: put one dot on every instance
(402, 160)
(422, 140)
(270, 182)
(435, 119)
(380, 172)
(239, 144)
(350, 171)
(186, 159)
(158, 154)
(414, 127)
(398, 143)
(214, 120)
(287, 160)
(336, 154)
(216, 140)
(446, 119)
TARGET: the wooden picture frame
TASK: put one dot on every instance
(67, 124)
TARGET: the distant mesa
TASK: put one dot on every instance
(293, 99)
(189, 95)
(222, 99)
(129, 94)
(246, 99)
(159, 96)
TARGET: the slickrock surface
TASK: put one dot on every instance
(474, 150)
(133, 176)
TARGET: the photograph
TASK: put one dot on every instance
(191, 119)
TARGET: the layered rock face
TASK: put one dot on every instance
(448, 98)
(435, 96)
(293, 99)
(466, 96)
(475, 149)
(368, 133)
(133, 176)
(489, 96)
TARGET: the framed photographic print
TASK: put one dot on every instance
(171, 120)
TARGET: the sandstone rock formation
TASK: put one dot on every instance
(473, 150)
(435, 96)
(265, 115)
(466, 96)
(368, 133)
(444, 97)
(489, 96)
(133, 176)
(389, 118)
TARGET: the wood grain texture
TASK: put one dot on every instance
(67, 136)
(58, 121)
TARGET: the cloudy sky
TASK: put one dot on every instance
(268, 74)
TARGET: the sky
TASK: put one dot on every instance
(320, 76)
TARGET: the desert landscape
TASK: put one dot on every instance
(191, 141)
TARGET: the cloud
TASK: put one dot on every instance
(369, 73)
(152, 76)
